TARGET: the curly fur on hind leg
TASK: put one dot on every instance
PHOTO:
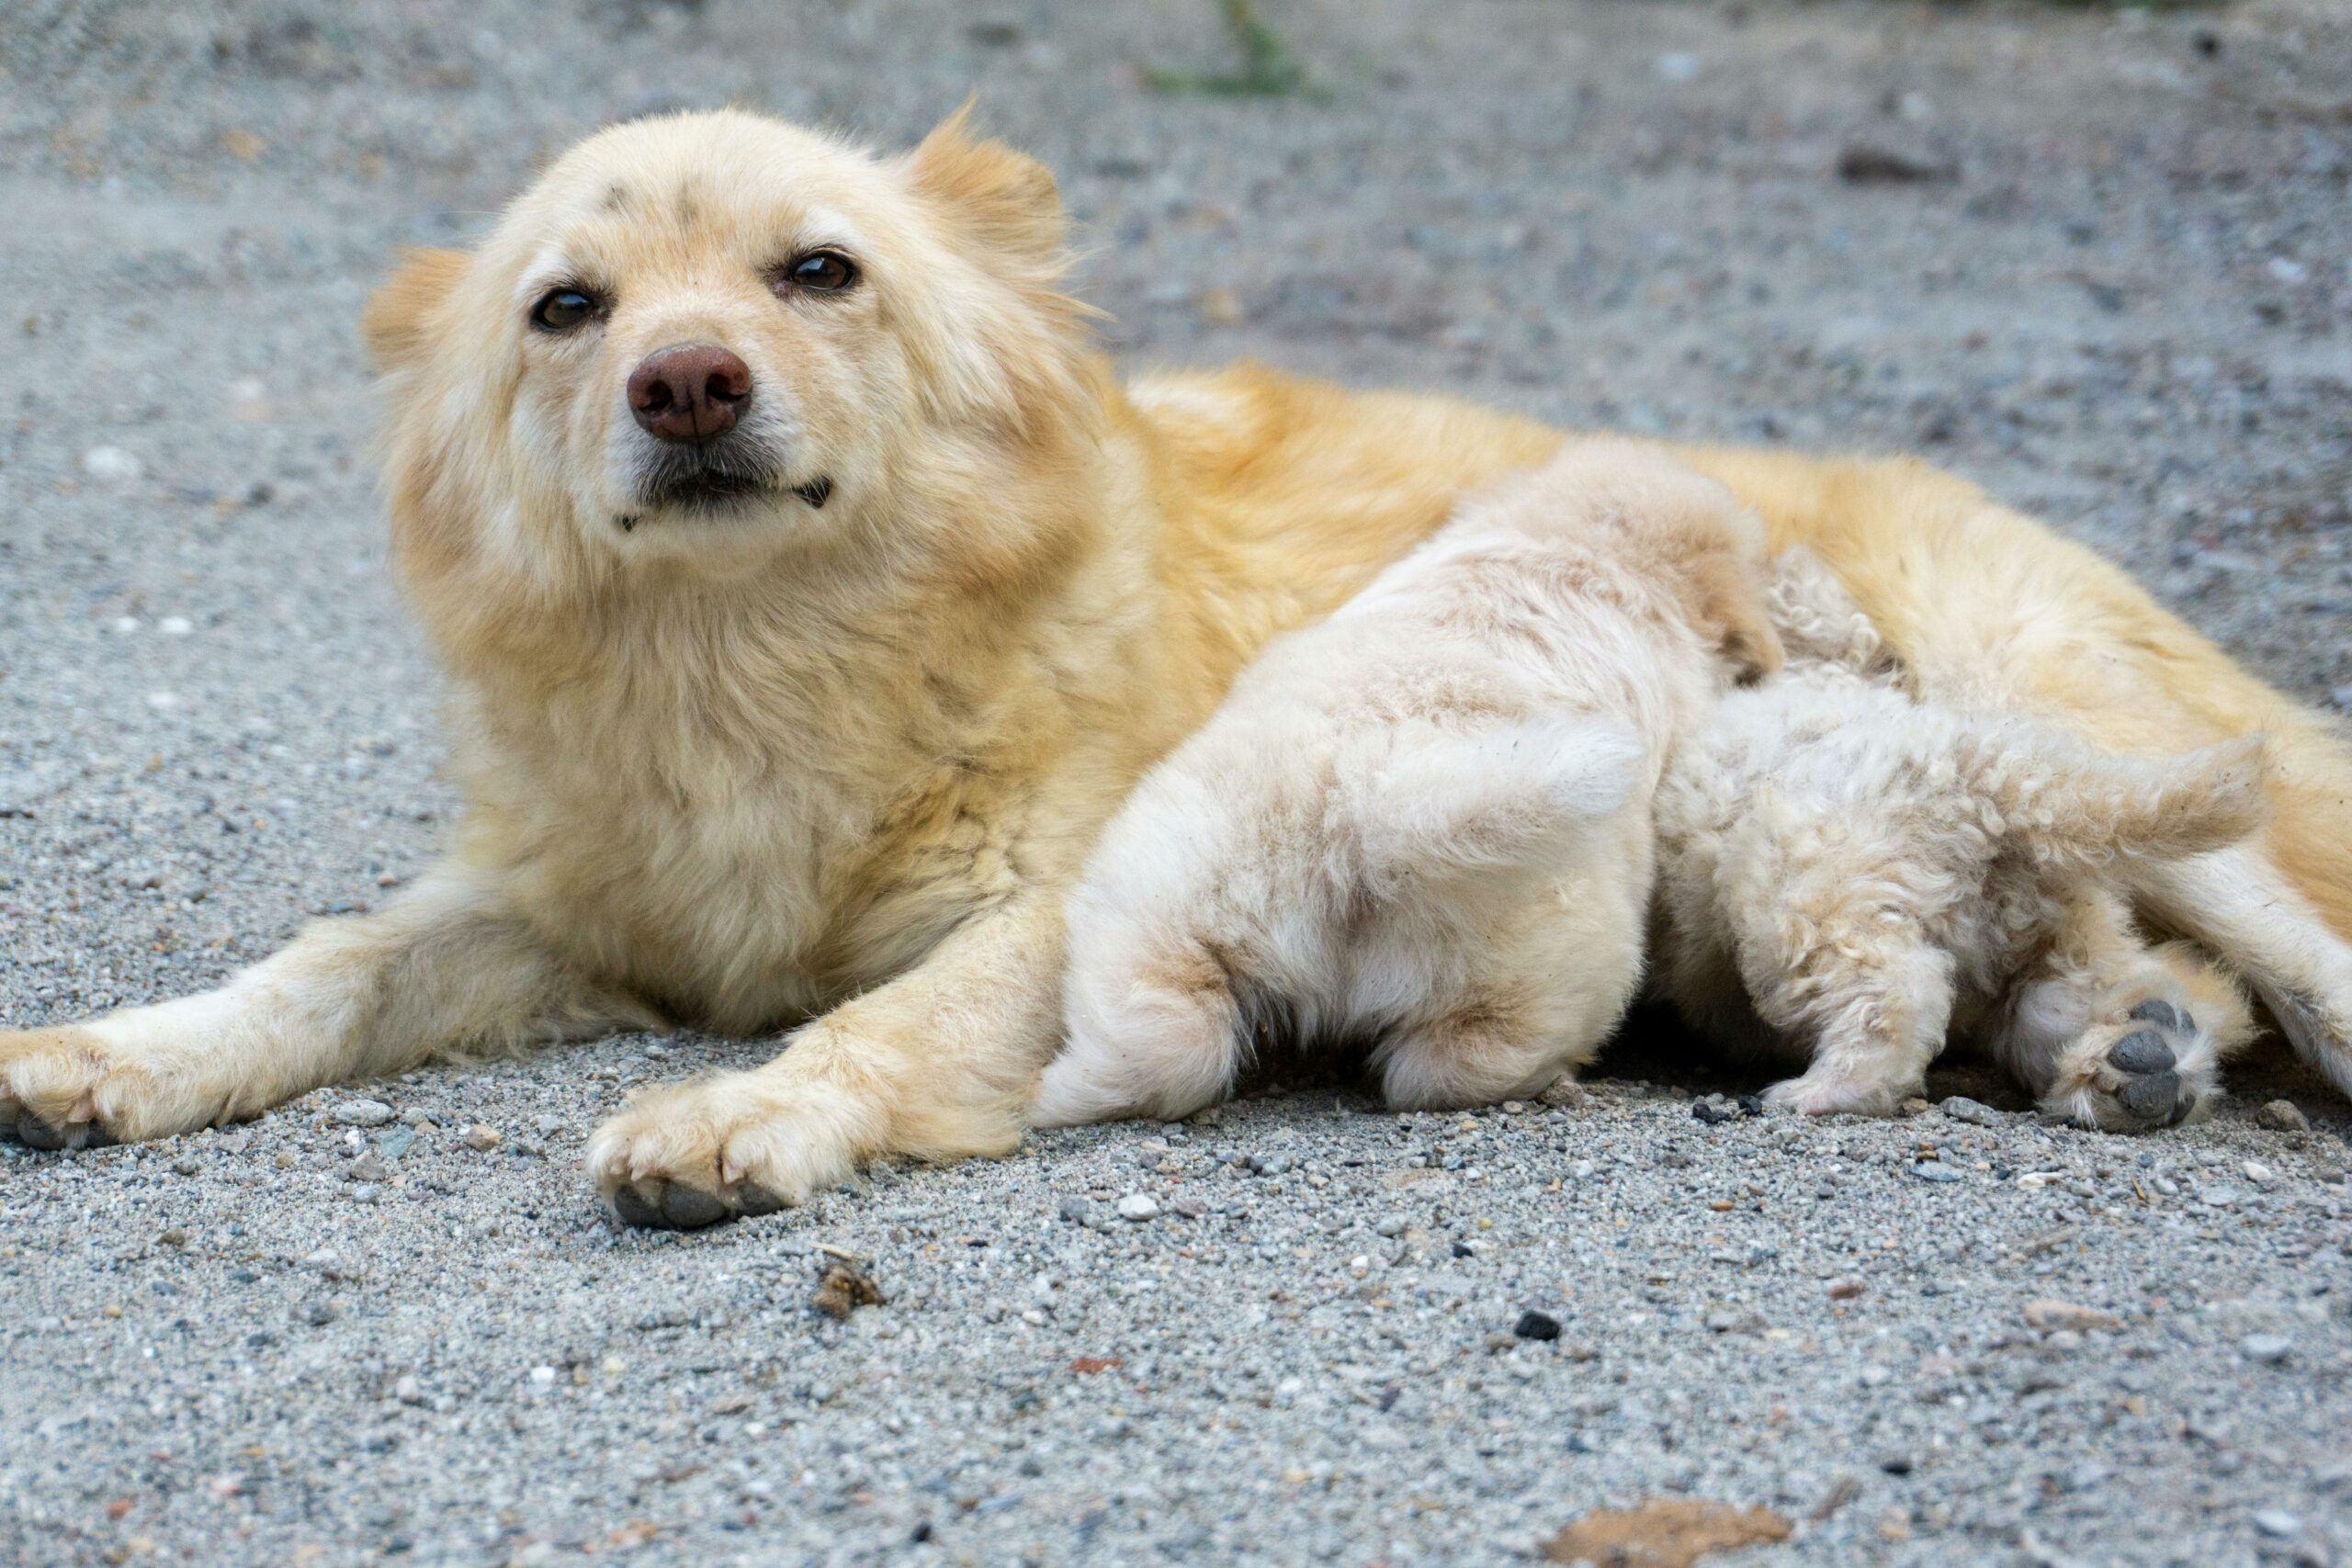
(1872, 1044)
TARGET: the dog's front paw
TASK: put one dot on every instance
(2153, 1067)
(691, 1155)
(60, 1088)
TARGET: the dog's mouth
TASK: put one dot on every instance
(717, 488)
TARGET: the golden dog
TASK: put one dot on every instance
(815, 593)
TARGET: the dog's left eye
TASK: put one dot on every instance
(821, 272)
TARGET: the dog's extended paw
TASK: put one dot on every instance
(61, 1088)
(2153, 1067)
(691, 1155)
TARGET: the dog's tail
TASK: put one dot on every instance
(1434, 802)
(2060, 800)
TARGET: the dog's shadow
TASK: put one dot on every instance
(1653, 1046)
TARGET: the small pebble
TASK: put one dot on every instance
(1136, 1206)
(361, 1113)
(2268, 1348)
(478, 1136)
(2283, 1116)
(1534, 1325)
(112, 464)
(2048, 1315)
(2276, 1523)
(1960, 1107)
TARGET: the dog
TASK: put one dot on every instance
(1426, 823)
(812, 593)
(1847, 876)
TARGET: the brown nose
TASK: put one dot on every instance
(689, 391)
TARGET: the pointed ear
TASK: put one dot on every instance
(1003, 198)
(399, 315)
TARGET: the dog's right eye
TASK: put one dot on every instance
(561, 310)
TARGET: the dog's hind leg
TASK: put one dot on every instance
(2241, 907)
(1873, 1026)
(2109, 1033)
(1163, 1037)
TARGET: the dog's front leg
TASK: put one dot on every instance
(446, 965)
(937, 1064)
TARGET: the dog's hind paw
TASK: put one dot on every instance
(2155, 1066)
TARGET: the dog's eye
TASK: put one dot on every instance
(824, 272)
(561, 310)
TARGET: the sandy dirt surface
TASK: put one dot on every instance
(2121, 295)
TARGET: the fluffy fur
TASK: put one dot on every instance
(1847, 876)
(1425, 823)
(833, 770)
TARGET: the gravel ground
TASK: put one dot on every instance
(2123, 298)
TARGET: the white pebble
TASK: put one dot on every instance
(111, 464)
(2256, 1172)
(176, 625)
(1135, 1206)
(2276, 1523)
(542, 1377)
(362, 1113)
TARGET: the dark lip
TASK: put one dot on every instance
(705, 489)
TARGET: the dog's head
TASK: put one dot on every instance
(707, 339)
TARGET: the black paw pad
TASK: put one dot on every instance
(668, 1206)
(2164, 1015)
(2142, 1051)
(36, 1133)
(633, 1210)
(688, 1209)
(2151, 1098)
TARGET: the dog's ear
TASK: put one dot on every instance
(1004, 199)
(399, 315)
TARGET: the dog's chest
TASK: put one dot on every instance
(739, 876)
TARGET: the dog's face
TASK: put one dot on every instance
(712, 338)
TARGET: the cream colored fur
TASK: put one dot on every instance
(1423, 825)
(834, 771)
(1846, 875)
